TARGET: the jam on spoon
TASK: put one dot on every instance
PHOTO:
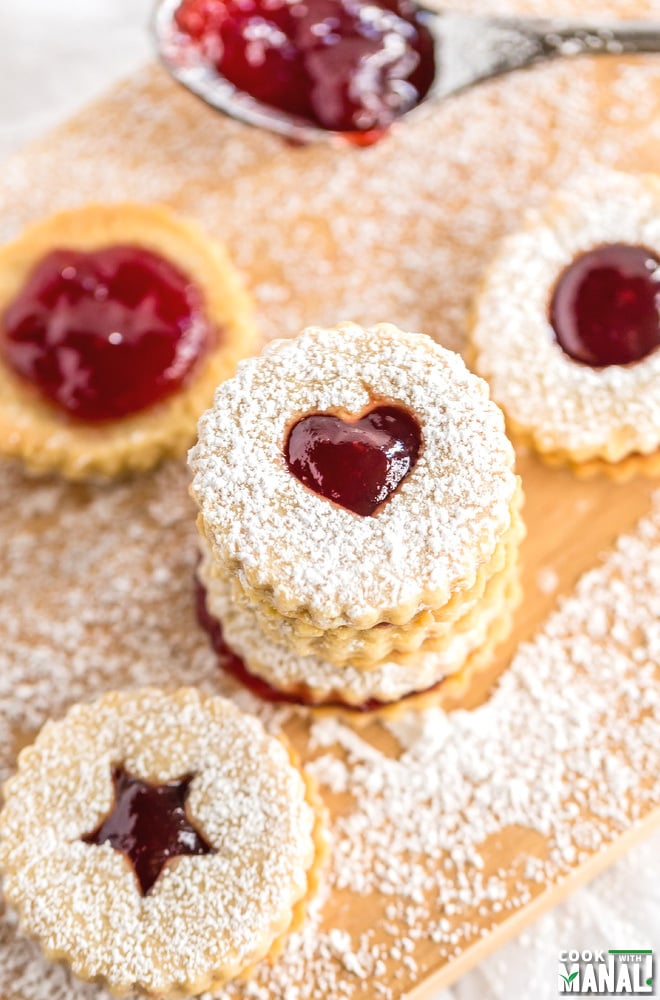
(107, 333)
(605, 309)
(357, 464)
(348, 66)
(149, 825)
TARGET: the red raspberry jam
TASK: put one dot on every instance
(232, 664)
(148, 824)
(105, 334)
(357, 464)
(605, 309)
(343, 65)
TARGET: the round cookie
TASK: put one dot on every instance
(42, 433)
(158, 842)
(566, 327)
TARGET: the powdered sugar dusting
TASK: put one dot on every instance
(547, 580)
(400, 231)
(109, 163)
(76, 638)
(313, 558)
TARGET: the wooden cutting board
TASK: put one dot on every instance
(95, 583)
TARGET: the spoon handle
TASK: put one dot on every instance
(474, 49)
(566, 38)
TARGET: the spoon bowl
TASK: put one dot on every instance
(186, 64)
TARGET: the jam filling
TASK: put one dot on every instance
(357, 464)
(233, 665)
(343, 65)
(149, 825)
(105, 334)
(605, 309)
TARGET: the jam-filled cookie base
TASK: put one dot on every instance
(42, 435)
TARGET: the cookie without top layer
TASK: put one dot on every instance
(44, 437)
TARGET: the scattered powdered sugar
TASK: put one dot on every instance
(139, 157)
(400, 231)
(567, 749)
(433, 845)
(313, 558)
(69, 622)
(404, 231)
(547, 580)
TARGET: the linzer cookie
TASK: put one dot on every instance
(360, 514)
(159, 842)
(116, 324)
(567, 326)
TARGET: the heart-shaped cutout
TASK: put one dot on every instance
(359, 462)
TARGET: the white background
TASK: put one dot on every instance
(56, 55)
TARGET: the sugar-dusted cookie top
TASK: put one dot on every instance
(305, 432)
(158, 842)
(567, 324)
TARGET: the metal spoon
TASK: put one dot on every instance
(468, 50)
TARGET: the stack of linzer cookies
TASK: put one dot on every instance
(326, 607)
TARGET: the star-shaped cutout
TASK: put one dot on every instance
(149, 825)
